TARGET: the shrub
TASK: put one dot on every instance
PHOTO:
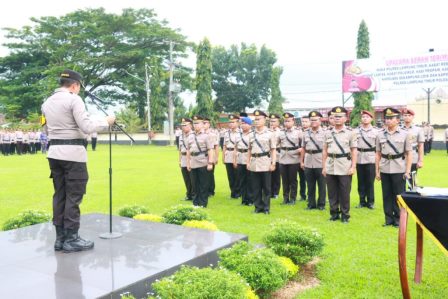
(131, 211)
(194, 283)
(26, 218)
(261, 268)
(179, 214)
(203, 224)
(289, 265)
(288, 238)
(148, 217)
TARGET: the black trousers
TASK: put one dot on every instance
(392, 184)
(314, 176)
(211, 182)
(289, 181)
(94, 141)
(260, 184)
(339, 187)
(186, 175)
(275, 180)
(426, 147)
(19, 147)
(6, 148)
(302, 180)
(366, 181)
(232, 177)
(446, 144)
(200, 177)
(69, 182)
(243, 185)
(429, 145)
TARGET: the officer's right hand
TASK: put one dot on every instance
(302, 165)
(324, 172)
(110, 119)
(378, 176)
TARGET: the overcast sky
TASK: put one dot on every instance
(311, 38)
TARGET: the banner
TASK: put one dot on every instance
(374, 75)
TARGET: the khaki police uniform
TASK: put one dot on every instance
(67, 123)
(365, 165)
(228, 151)
(241, 158)
(417, 137)
(260, 146)
(313, 143)
(275, 175)
(290, 141)
(198, 146)
(183, 139)
(392, 167)
(338, 164)
(211, 174)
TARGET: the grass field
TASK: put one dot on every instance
(359, 259)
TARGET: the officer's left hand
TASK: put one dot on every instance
(272, 167)
(209, 167)
(419, 164)
(351, 171)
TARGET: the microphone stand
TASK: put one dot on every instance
(94, 99)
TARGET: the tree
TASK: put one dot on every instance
(99, 45)
(275, 104)
(241, 76)
(129, 118)
(204, 79)
(362, 100)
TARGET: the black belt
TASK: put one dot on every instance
(242, 150)
(313, 151)
(336, 156)
(370, 149)
(229, 148)
(183, 154)
(392, 157)
(278, 150)
(198, 153)
(82, 142)
(260, 155)
(289, 148)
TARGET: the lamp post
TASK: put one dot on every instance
(170, 97)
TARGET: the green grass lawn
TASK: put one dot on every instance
(359, 259)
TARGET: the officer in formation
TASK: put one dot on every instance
(200, 160)
(339, 164)
(262, 160)
(305, 126)
(289, 143)
(393, 163)
(214, 135)
(274, 126)
(186, 126)
(240, 159)
(313, 142)
(446, 139)
(417, 139)
(365, 166)
(67, 123)
(228, 150)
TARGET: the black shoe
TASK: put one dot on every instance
(292, 202)
(334, 218)
(266, 212)
(387, 224)
(309, 208)
(344, 220)
(371, 207)
(360, 206)
(285, 202)
(73, 242)
(321, 208)
(395, 225)
(60, 238)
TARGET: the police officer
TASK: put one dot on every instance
(200, 160)
(393, 163)
(262, 160)
(339, 164)
(228, 154)
(290, 142)
(365, 166)
(214, 136)
(417, 138)
(186, 125)
(67, 124)
(313, 142)
(274, 125)
(240, 159)
(306, 124)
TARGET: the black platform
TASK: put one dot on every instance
(30, 268)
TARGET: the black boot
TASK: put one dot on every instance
(73, 242)
(60, 237)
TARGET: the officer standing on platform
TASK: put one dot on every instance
(393, 163)
(214, 135)
(305, 120)
(365, 166)
(240, 161)
(200, 160)
(339, 164)
(274, 125)
(228, 155)
(67, 124)
(417, 139)
(186, 124)
(262, 156)
(290, 142)
(313, 143)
